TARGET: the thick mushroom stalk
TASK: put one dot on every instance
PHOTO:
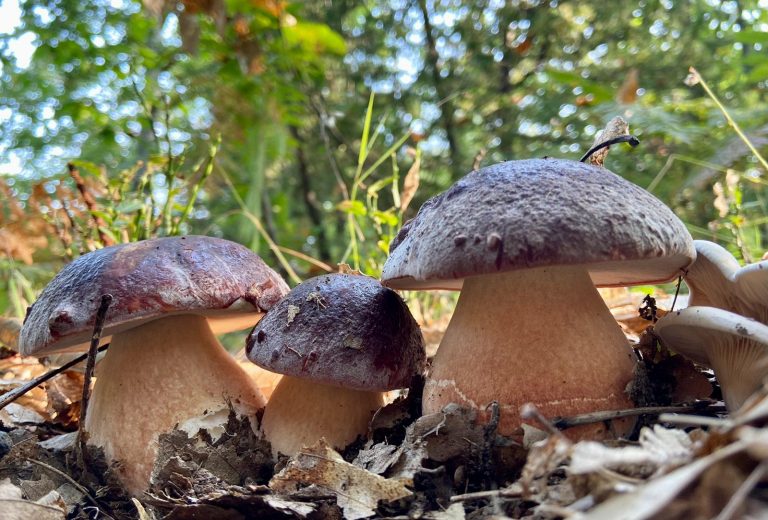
(735, 347)
(301, 411)
(549, 330)
(716, 279)
(184, 376)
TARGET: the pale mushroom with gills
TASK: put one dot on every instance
(526, 242)
(717, 280)
(340, 340)
(734, 346)
(164, 366)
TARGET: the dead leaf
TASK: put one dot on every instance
(659, 449)
(357, 491)
(410, 183)
(627, 93)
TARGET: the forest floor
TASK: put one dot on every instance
(694, 463)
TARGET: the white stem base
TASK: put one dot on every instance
(300, 412)
(154, 377)
(538, 335)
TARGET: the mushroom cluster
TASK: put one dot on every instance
(340, 340)
(526, 242)
(164, 366)
(726, 326)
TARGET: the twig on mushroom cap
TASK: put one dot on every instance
(98, 327)
(616, 131)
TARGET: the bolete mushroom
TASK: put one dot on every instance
(341, 340)
(734, 346)
(717, 280)
(164, 366)
(526, 242)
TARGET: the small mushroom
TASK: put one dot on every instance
(341, 340)
(734, 346)
(716, 279)
(164, 366)
(529, 325)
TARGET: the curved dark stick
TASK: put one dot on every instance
(631, 139)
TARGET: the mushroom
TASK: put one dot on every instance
(734, 346)
(717, 280)
(164, 366)
(341, 340)
(526, 242)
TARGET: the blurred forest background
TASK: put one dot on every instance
(255, 119)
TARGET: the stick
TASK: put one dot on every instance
(594, 417)
(10, 396)
(98, 326)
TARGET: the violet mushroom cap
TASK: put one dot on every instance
(340, 340)
(734, 346)
(716, 279)
(527, 242)
(164, 365)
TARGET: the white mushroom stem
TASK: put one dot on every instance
(301, 411)
(539, 335)
(740, 365)
(154, 377)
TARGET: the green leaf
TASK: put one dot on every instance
(385, 217)
(352, 207)
(751, 37)
(315, 38)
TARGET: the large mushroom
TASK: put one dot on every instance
(717, 280)
(341, 340)
(526, 242)
(736, 347)
(164, 366)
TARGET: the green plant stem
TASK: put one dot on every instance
(260, 228)
(213, 150)
(728, 118)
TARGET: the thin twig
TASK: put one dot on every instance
(530, 412)
(90, 203)
(512, 491)
(631, 139)
(595, 417)
(10, 396)
(66, 477)
(101, 316)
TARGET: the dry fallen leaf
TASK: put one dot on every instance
(660, 449)
(357, 491)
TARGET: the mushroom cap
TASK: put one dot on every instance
(343, 330)
(534, 213)
(221, 280)
(693, 330)
(716, 279)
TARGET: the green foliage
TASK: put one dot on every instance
(308, 171)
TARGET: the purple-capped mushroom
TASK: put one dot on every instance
(164, 366)
(340, 340)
